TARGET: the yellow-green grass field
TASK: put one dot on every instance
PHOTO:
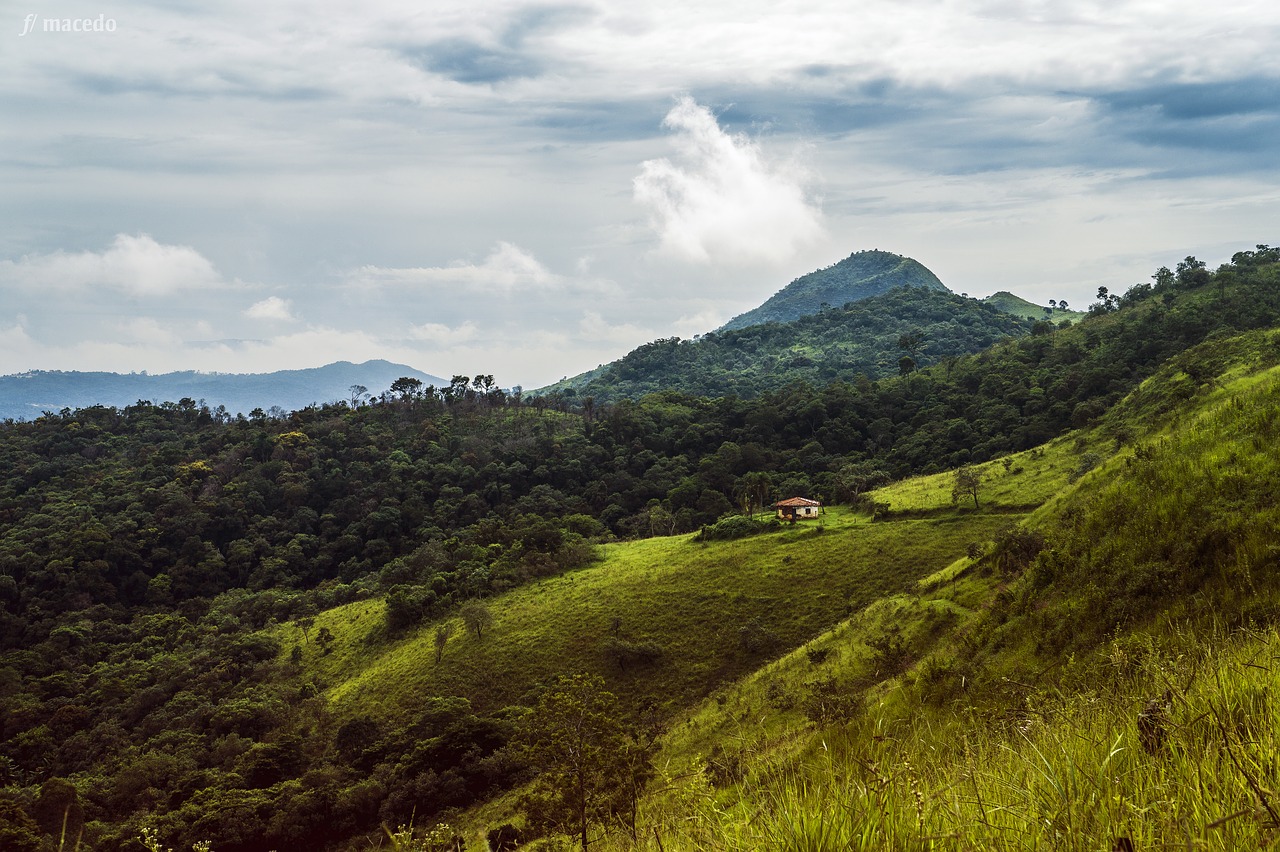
(690, 599)
(1026, 481)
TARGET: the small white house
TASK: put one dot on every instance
(797, 508)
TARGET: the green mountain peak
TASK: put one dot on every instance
(859, 276)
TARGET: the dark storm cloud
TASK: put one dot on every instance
(604, 120)
(866, 106)
(863, 106)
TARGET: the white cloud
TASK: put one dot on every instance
(136, 265)
(146, 331)
(701, 322)
(508, 267)
(723, 201)
(272, 308)
(442, 336)
(595, 328)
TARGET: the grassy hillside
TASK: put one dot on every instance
(691, 600)
(224, 628)
(1108, 688)
(859, 276)
(1020, 307)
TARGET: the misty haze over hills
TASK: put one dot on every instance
(26, 395)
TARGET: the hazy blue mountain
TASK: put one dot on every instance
(859, 276)
(25, 395)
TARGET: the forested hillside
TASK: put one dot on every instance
(159, 564)
(1054, 312)
(875, 337)
(861, 275)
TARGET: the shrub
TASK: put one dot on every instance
(625, 654)
(829, 701)
(889, 655)
(735, 526)
(1088, 462)
(817, 656)
(755, 638)
(1015, 548)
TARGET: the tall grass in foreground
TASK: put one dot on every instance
(1178, 750)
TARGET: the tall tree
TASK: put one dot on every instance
(753, 490)
(590, 766)
(966, 484)
(406, 387)
(477, 617)
(443, 631)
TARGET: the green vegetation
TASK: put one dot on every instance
(285, 632)
(1054, 312)
(859, 276)
(1107, 686)
(590, 768)
(690, 600)
(864, 338)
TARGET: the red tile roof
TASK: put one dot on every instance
(796, 501)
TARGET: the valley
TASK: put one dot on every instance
(1038, 604)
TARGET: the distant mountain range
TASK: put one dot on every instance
(859, 276)
(26, 395)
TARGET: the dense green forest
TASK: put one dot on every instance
(145, 550)
(876, 337)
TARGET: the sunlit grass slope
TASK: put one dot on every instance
(1117, 692)
(1069, 772)
(1015, 483)
(690, 600)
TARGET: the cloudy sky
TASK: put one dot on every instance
(529, 189)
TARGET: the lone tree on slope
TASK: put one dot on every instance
(967, 481)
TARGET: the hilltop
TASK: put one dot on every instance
(1020, 307)
(858, 317)
(865, 338)
(859, 276)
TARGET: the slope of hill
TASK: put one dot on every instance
(26, 395)
(196, 616)
(863, 337)
(1063, 685)
(1020, 307)
(859, 276)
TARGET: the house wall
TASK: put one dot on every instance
(798, 512)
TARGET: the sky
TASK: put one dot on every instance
(531, 189)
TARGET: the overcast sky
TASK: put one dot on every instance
(529, 189)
